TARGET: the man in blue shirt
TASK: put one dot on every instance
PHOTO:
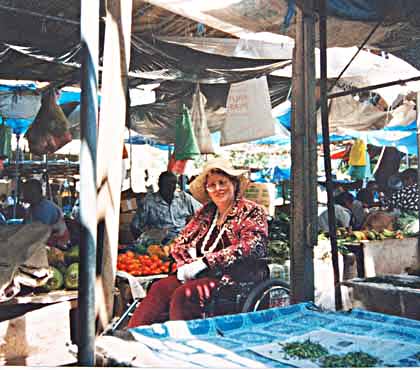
(44, 211)
(167, 210)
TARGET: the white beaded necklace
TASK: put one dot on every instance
(206, 239)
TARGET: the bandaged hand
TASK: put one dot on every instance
(190, 270)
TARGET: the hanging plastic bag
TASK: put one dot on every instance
(357, 155)
(248, 112)
(50, 129)
(199, 122)
(5, 141)
(177, 166)
(20, 105)
(185, 142)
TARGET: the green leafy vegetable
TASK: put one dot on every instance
(307, 349)
(351, 359)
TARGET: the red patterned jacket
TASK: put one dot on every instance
(243, 241)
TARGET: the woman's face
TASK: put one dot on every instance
(220, 189)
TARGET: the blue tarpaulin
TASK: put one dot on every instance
(399, 136)
(404, 138)
(368, 11)
(234, 341)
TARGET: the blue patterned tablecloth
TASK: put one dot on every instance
(227, 340)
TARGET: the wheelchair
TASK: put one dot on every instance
(241, 297)
(249, 296)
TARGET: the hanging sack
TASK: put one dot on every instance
(5, 141)
(185, 142)
(248, 112)
(357, 155)
(199, 122)
(50, 129)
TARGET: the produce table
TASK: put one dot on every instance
(383, 257)
(36, 329)
(253, 340)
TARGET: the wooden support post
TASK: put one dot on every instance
(110, 143)
(304, 158)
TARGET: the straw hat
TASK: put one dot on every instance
(198, 185)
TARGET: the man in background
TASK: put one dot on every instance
(343, 204)
(44, 211)
(165, 211)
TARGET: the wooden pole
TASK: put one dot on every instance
(304, 158)
(110, 143)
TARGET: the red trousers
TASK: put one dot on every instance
(183, 301)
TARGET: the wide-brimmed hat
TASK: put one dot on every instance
(198, 185)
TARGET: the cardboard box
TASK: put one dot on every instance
(5, 187)
(124, 234)
(125, 218)
(128, 205)
(264, 194)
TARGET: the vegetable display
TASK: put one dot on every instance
(138, 265)
(279, 238)
(307, 349)
(348, 237)
(351, 359)
(64, 269)
(317, 353)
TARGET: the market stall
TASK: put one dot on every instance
(35, 296)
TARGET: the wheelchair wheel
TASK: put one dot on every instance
(267, 294)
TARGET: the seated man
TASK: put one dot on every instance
(44, 211)
(343, 212)
(167, 209)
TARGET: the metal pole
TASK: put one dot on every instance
(88, 119)
(327, 157)
(372, 87)
(17, 176)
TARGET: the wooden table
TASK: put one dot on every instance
(36, 329)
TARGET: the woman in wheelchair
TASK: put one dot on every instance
(223, 244)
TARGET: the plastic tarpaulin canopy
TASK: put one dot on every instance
(24, 63)
(284, 118)
(404, 140)
(157, 121)
(349, 21)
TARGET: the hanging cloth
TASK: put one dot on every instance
(185, 142)
(5, 141)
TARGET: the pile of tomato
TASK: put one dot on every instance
(138, 265)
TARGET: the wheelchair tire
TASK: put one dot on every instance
(267, 294)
